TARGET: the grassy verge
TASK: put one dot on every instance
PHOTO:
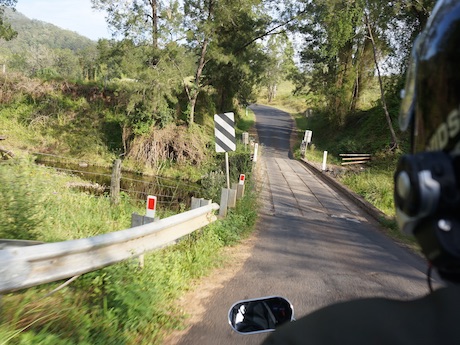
(120, 304)
(246, 121)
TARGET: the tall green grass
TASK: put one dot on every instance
(375, 185)
(37, 203)
(119, 304)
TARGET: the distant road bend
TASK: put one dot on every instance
(312, 245)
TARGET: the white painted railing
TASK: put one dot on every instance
(23, 267)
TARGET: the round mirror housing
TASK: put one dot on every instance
(260, 314)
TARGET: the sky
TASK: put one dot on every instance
(74, 15)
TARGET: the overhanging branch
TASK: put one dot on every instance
(269, 32)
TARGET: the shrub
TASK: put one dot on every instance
(20, 199)
(212, 184)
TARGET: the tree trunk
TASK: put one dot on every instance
(394, 143)
(199, 71)
(364, 60)
(197, 86)
(154, 7)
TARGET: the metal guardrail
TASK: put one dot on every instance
(355, 158)
(23, 267)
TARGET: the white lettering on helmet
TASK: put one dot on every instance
(445, 131)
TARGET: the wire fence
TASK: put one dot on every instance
(169, 191)
(86, 163)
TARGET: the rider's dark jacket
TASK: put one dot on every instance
(434, 319)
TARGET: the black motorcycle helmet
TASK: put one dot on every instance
(427, 195)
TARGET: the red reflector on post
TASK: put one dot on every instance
(242, 177)
(151, 206)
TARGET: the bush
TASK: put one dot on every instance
(120, 304)
(20, 199)
(239, 221)
(212, 184)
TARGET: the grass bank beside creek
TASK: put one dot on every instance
(119, 304)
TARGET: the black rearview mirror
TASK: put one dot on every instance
(260, 315)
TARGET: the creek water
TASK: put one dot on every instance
(171, 193)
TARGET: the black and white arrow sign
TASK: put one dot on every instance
(224, 130)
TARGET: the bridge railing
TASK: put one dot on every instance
(24, 267)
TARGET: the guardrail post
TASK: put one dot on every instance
(245, 138)
(232, 198)
(199, 202)
(138, 220)
(223, 202)
(205, 202)
(239, 189)
(115, 182)
(195, 203)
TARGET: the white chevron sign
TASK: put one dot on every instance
(224, 131)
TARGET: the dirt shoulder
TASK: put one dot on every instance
(192, 303)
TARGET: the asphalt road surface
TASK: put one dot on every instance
(313, 245)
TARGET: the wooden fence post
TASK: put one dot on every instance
(115, 182)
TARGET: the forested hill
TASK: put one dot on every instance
(46, 51)
(33, 33)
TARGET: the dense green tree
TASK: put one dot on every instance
(347, 43)
(210, 24)
(6, 31)
(334, 42)
(66, 64)
(88, 63)
(145, 92)
(150, 21)
(280, 63)
(235, 78)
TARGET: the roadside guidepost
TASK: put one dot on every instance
(240, 186)
(150, 210)
(138, 220)
(324, 160)
(151, 206)
(256, 152)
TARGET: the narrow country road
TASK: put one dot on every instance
(312, 245)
